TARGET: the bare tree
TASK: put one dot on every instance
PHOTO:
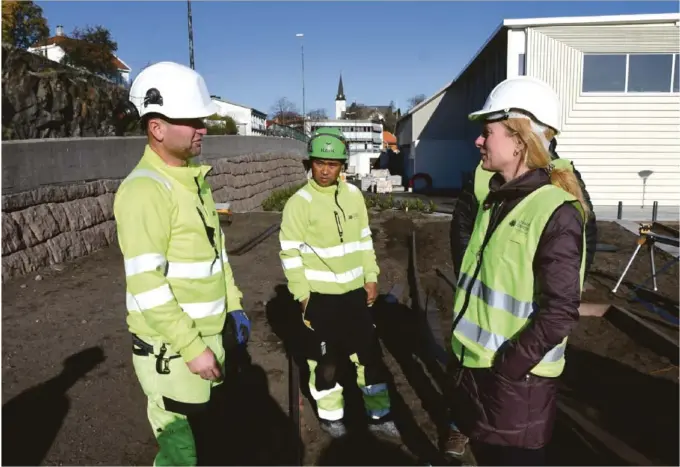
(284, 111)
(317, 115)
(415, 100)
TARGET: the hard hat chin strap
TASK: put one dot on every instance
(536, 128)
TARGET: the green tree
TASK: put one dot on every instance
(221, 125)
(23, 24)
(92, 48)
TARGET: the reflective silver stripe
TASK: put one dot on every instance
(204, 309)
(376, 414)
(292, 263)
(493, 342)
(198, 270)
(331, 415)
(374, 389)
(316, 394)
(162, 295)
(328, 276)
(305, 195)
(291, 244)
(225, 258)
(145, 263)
(149, 299)
(140, 173)
(503, 301)
(338, 250)
(365, 232)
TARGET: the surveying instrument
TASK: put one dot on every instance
(649, 238)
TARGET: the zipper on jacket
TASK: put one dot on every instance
(495, 214)
(338, 224)
(337, 217)
(209, 231)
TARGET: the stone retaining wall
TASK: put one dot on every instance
(51, 223)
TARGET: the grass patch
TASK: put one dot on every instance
(278, 198)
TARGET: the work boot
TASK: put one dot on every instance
(384, 427)
(455, 443)
(335, 428)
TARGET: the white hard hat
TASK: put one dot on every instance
(180, 92)
(527, 94)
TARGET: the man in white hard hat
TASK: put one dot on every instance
(180, 287)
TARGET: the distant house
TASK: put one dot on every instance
(249, 121)
(53, 50)
(390, 141)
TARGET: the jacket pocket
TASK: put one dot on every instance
(506, 403)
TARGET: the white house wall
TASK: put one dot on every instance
(613, 136)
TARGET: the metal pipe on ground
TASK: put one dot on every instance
(254, 241)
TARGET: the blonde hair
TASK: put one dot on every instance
(536, 156)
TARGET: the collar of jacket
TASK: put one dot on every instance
(327, 190)
(517, 188)
(184, 175)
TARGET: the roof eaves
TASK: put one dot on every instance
(442, 90)
(585, 20)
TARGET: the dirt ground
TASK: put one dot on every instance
(70, 395)
(625, 388)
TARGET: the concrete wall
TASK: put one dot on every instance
(57, 194)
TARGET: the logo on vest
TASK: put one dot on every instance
(520, 225)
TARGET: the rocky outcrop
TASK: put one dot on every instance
(44, 99)
(56, 223)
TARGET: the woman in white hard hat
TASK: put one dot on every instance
(520, 281)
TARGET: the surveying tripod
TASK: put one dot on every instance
(649, 238)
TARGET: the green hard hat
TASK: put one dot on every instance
(328, 143)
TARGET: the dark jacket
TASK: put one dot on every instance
(466, 210)
(505, 404)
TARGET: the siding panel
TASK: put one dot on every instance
(611, 137)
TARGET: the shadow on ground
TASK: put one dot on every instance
(400, 332)
(245, 425)
(32, 420)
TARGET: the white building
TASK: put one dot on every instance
(365, 139)
(617, 77)
(249, 121)
(53, 50)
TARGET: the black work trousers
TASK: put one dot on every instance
(343, 328)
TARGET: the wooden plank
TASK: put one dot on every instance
(644, 333)
(620, 448)
(449, 277)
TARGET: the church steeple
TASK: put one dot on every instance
(341, 91)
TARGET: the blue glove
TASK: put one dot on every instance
(240, 325)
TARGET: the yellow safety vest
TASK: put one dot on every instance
(497, 282)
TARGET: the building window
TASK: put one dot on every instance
(649, 73)
(676, 73)
(629, 73)
(521, 66)
(604, 73)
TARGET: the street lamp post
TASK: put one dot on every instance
(191, 35)
(302, 53)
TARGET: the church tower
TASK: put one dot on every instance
(340, 101)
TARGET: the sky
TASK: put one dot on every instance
(249, 54)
